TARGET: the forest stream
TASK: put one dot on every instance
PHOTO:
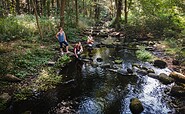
(96, 85)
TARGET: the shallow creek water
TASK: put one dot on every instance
(91, 89)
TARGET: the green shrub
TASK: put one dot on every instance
(144, 55)
(63, 61)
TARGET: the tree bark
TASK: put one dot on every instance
(126, 12)
(36, 15)
(48, 8)
(18, 6)
(62, 8)
(117, 23)
(58, 7)
(76, 5)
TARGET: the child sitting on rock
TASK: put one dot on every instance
(90, 40)
(78, 49)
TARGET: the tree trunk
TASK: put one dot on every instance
(1, 7)
(48, 8)
(52, 3)
(83, 8)
(17, 6)
(117, 23)
(126, 12)
(62, 8)
(36, 15)
(28, 6)
(58, 7)
(76, 5)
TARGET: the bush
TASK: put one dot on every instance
(144, 55)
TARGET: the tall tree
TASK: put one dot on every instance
(18, 6)
(126, 13)
(62, 8)
(117, 21)
(76, 6)
(36, 15)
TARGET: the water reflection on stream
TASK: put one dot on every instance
(95, 90)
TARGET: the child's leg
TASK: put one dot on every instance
(61, 48)
(66, 46)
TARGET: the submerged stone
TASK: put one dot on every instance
(150, 70)
(153, 75)
(99, 59)
(136, 106)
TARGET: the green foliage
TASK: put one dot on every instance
(10, 29)
(144, 55)
(27, 63)
(63, 61)
(24, 26)
(46, 80)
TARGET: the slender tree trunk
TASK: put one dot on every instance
(58, 7)
(36, 15)
(76, 5)
(28, 6)
(117, 23)
(83, 8)
(48, 8)
(17, 6)
(62, 8)
(1, 7)
(126, 12)
(52, 3)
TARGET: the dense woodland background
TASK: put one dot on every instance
(28, 29)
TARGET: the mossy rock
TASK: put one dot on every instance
(136, 106)
(178, 77)
(165, 79)
(4, 99)
(177, 91)
(118, 61)
(160, 64)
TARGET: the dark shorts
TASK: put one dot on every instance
(61, 44)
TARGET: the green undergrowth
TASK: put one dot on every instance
(47, 79)
(62, 61)
(175, 48)
(144, 55)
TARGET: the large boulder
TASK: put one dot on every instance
(178, 77)
(160, 64)
(165, 79)
(136, 106)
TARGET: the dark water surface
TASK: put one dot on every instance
(91, 89)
